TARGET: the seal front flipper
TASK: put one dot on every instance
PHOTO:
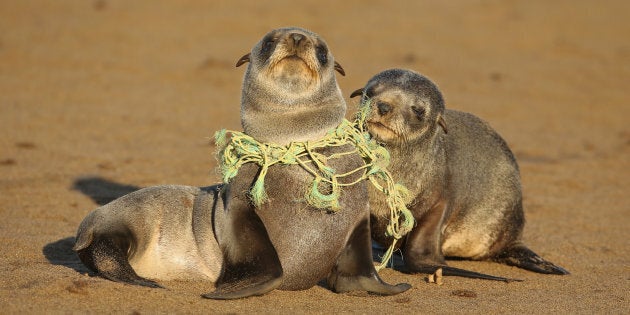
(457, 272)
(423, 252)
(355, 271)
(107, 256)
(244, 288)
(251, 263)
(520, 256)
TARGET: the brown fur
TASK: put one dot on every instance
(290, 94)
(160, 233)
(464, 177)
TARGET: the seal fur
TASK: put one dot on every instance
(290, 94)
(158, 233)
(465, 179)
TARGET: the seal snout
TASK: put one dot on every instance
(297, 38)
(380, 130)
(296, 43)
(383, 108)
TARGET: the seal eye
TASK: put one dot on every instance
(419, 111)
(267, 47)
(322, 54)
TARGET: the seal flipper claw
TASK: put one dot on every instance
(107, 256)
(355, 271)
(521, 256)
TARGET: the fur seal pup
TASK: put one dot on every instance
(160, 233)
(465, 179)
(290, 94)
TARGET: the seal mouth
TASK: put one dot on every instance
(381, 131)
(293, 57)
(293, 70)
(298, 58)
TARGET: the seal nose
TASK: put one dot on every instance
(297, 38)
(383, 108)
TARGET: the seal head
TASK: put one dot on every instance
(391, 123)
(289, 90)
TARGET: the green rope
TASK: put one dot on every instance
(241, 149)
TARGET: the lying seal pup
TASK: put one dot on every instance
(160, 233)
(290, 94)
(465, 180)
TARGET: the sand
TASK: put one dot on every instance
(99, 98)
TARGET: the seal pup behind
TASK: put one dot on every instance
(159, 233)
(290, 94)
(465, 179)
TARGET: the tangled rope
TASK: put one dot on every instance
(241, 149)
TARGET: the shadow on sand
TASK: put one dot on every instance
(60, 253)
(102, 191)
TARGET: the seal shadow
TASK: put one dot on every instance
(60, 253)
(102, 190)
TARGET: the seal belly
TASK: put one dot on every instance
(172, 250)
(467, 245)
(172, 259)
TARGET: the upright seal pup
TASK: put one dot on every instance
(290, 94)
(160, 233)
(465, 179)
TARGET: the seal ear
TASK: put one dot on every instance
(243, 60)
(442, 123)
(358, 92)
(339, 69)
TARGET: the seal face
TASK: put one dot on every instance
(400, 124)
(287, 72)
(290, 94)
(466, 183)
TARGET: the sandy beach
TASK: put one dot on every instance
(99, 98)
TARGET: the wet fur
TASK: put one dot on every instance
(465, 179)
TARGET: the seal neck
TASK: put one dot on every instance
(420, 154)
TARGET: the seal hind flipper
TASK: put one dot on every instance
(107, 256)
(251, 264)
(520, 256)
(355, 271)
